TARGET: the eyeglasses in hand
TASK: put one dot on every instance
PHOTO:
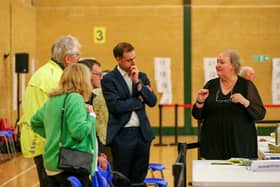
(223, 100)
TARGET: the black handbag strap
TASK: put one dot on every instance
(62, 116)
(90, 101)
(63, 109)
(62, 121)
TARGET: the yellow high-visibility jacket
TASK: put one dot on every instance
(44, 80)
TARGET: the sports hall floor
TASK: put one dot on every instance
(21, 172)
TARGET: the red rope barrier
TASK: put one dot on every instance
(167, 105)
(174, 105)
(185, 105)
(272, 106)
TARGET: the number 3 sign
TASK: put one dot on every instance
(99, 35)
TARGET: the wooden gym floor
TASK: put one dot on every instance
(21, 172)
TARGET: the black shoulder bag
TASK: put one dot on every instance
(71, 160)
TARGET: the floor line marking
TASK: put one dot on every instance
(21, 173)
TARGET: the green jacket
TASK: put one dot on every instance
(78, 125)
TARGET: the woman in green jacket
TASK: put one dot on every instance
(79, 122)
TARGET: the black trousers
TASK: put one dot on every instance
(43, 178)
(59, 180)
(131, 154)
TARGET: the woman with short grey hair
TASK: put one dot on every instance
(228, 106)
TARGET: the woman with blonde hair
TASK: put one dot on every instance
(79, 122)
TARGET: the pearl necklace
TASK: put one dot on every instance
(227, 89)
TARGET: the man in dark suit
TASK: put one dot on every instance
(127, 91)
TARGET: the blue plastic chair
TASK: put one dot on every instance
(159, 182)
(75, 182)
(98, 180)
(9, 141)
(156, 167)
(101, 178)
(156, 182)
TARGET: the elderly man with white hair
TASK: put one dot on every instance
(248, 73)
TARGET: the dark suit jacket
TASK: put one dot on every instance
(121, 104)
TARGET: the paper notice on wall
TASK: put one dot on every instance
(209, 68)
(275, 80)
(15, 83)
(166, 98)
(163, 79)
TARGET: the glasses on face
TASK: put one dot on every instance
(98, 74)
(75, 56)
(228, 100)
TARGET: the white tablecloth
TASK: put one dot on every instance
(205, 174)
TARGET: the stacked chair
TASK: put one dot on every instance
(8, 138)
(155, 181)
(7, 135)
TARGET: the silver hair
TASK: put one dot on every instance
(234, 59)
(66, 45)
(245, 70)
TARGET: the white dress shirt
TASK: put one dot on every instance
(134, 120)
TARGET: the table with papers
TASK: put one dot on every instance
(207, 174)
(263, 148)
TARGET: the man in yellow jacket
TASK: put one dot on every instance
(65, 51)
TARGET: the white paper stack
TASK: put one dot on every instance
(271, 156)
(265, 165)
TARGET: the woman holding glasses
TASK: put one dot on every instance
(228, 107)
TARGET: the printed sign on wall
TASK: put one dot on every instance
(163, 79)
(209, 68)
(276, 81)
(99, 35)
